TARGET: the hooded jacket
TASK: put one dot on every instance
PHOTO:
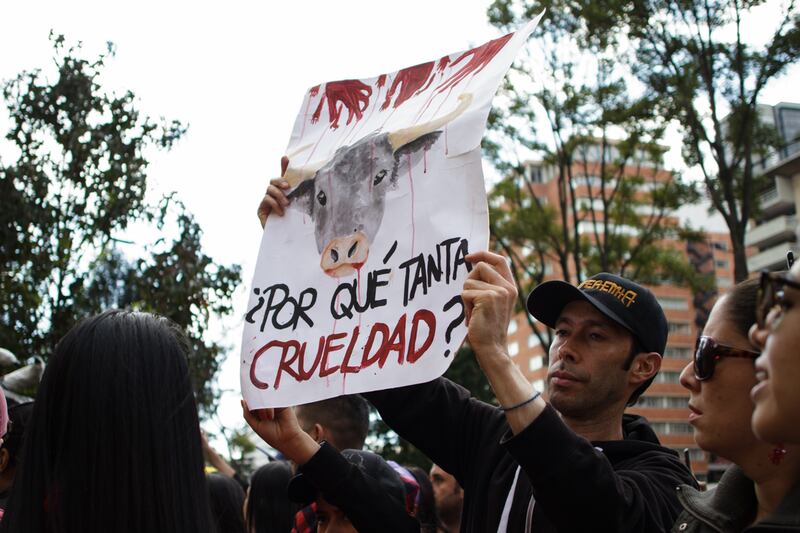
(561, 482)
(731, 506)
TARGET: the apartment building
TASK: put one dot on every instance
(665, 402)
(773, 231)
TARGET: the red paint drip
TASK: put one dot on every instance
(478, 59)
(311, 154)
(308, 106)
(411, 183)
(410, 81)
(352, 95)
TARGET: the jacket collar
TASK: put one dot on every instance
(731, 506)
(787, 513)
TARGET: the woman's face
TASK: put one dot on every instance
(720, 407)
(777, 395)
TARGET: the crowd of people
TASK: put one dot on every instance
(112, 441)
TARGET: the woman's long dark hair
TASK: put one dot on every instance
(268, 507)
(114, 440)
(227, 502)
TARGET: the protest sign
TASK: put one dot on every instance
(357, 287)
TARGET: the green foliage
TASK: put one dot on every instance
(699, 70)
(79, 179)
(465, 371)
(598, 141)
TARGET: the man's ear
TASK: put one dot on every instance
(318, 433)
(5, 458)
(645, 365)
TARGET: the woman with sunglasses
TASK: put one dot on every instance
(777, 395)
(719, 381)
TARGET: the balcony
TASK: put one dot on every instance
(772, 258)
(778, 199)
(773, 232)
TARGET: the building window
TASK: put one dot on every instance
(513, 349)
(663, 402)
(512, 326)
(677, 352)
(675, 304)
(724, 282)
(533, 340)
(679, 328)
(717, 245)
(721, 263)
(668, 376)
(534, 363)
(668, 428)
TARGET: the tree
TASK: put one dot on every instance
(600, 198)
(77, 181)
(700, 73)
(709, 81)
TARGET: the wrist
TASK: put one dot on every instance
(493, 359)
(300, 448)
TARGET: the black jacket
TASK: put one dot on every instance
(356, 494)
(615, 486)
(731, 506)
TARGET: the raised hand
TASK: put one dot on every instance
(279, 429)
(275, 197)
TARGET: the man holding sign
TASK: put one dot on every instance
(575, 464)
(365, 282)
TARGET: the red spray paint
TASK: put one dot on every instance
(478, 59)
(409, 80)
(352, 95)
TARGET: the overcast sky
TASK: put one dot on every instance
(236, 73)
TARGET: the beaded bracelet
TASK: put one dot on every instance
(520, 404)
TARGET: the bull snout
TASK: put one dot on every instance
(344, 255)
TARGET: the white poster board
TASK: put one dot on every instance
(357, 287)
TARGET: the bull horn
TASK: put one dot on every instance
(296, 176)
(404, 136)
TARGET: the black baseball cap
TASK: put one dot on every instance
(627, 303)
(302, 491)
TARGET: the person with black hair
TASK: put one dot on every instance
(354, 490)
(113, 443)
(426, 502)
(267, 508)
(18, 416)
(227, 501)
(343, 422)
(449, 497)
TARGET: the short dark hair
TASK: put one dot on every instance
(345, 417)
(636, 349)
(268, 505)
(113, 443)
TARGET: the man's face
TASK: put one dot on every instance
(587, 356)
(446, 491)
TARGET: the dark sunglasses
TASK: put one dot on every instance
(707, 352)
(770, 293)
